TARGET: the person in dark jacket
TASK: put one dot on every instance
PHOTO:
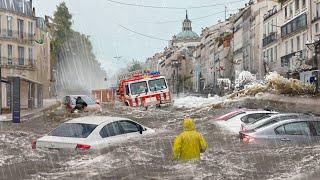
(80, 104)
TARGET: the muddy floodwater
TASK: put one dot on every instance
(150, 157)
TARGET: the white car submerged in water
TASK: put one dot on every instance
(92, 133)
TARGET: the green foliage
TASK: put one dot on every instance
(60, 30)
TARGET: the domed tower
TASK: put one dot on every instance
(187, 33)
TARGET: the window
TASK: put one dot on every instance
(280, 130)
(318, 10)
(298, 43)
(290, 9)
(138, 88)
(297, 4)
(292, 45)
(30, 29)
(0, 54)
(74, 130)
(317, 127)
(129, 126)
(304, 39)
(252, 118)
(21, 55)
(20, 28)
(286, 12)
(10, 54)
(271, 55)
(316, 27)
(303, 3)
(31, 56)
(286, 47)
(157, 84)
(296, 128)
(294, 25)
(275, 53)
(0, 25)
(109, 130)
(266, 124)
(9, 25)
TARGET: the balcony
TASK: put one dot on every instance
(297, 24)
(20, 37)
(17, 63)
(272, 37)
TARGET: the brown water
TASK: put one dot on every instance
(150, 157)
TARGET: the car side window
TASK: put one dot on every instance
(109, 130)
(280, 130)
(129, 126)
(267, 124)
(251, 118)
(296, 128)
(317, 127)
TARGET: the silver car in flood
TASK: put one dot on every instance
(304, 130)
(271, 119)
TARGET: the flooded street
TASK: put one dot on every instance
(151, 158)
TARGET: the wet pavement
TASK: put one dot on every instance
(150, 157)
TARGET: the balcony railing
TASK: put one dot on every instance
(295, 25)
(21, 37)
(17, 63)
(272, 37)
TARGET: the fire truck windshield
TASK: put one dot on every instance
(157, 84)
(138, 88)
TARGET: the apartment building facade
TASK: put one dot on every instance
(25, 55)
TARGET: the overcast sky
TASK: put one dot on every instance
(100, 19)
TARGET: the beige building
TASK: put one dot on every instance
(176, 62)
(295, 33)
(25, 54)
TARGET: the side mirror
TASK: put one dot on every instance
(140, 129)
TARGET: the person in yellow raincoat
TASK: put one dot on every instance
(189, 144)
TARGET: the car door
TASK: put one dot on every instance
(130, 128)
(111, 134)
(294, 132)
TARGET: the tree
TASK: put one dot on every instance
(135, 66)
(61, 28)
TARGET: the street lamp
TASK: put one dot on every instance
(314, 46)
(176, 64)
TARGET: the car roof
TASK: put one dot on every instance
(280, 123)
(77, 95)
(97, 120)
(260, 111)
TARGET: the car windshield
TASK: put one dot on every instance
(138, 88)
(157, 84)
(86, 99)
(74, 130)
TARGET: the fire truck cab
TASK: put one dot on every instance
(144, 89)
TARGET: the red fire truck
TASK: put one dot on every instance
(143, 89)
